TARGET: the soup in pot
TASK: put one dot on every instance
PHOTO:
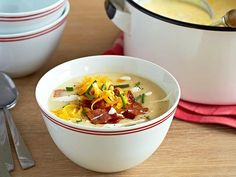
(110, 100)
(182, 11)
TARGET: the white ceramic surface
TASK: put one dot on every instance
(13, 8)
(23, 53)
(107, 149)
(202, 58)
(24, 15)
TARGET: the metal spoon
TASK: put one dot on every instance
(3, 170)
(228, 20)
(5, 148)
(8, 98)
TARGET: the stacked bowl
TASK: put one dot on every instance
(29, 33)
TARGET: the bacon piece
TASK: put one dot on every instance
(99, 116)
(100, 105)
(115, 119)
(134, 109)
(85, 103)
(130, 96)
(116, 91)
(128, 115)
(59, 92)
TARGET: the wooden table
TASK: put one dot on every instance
(188, 150)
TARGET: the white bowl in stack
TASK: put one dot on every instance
(30, 32)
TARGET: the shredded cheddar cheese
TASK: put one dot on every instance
(69, 112)
(94, 89)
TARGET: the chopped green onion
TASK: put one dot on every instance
(103, 87)
(143, 95)
(138, 97)
(87, 94)
(122, 86)
(90, 97)
(90, 87)
(123, 100)
(137, 84)
(78, 121)
(69, 89)
(109, 87)
(84, 112)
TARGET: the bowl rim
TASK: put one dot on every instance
(33, 17)
(37, 32)
(107, 130)
(32, 13)
(177, 22)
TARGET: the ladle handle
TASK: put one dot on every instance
(23, 154)
(3, 170)
(5, 148)
(218, 23)
(203, 4)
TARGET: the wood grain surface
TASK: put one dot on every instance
(188, 150)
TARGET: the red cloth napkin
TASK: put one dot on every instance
(189, 111)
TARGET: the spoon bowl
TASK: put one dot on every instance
(9, 93)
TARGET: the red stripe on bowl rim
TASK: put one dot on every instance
(30, 36)
(33, 15)
(107, 133)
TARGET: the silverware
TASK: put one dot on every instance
(9, 95)
(5, 149)
(24, 156)
(3, 170)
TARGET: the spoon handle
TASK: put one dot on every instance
(24, 155)
(3, 170)
(5, 148)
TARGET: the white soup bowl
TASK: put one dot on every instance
(107, 149)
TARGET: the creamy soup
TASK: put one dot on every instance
(186, 12)
(108, 100)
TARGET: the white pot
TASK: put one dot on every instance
(202, 58)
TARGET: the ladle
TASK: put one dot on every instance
(228, 20)
(203, 4)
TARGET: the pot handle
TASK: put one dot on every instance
(115, 10)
